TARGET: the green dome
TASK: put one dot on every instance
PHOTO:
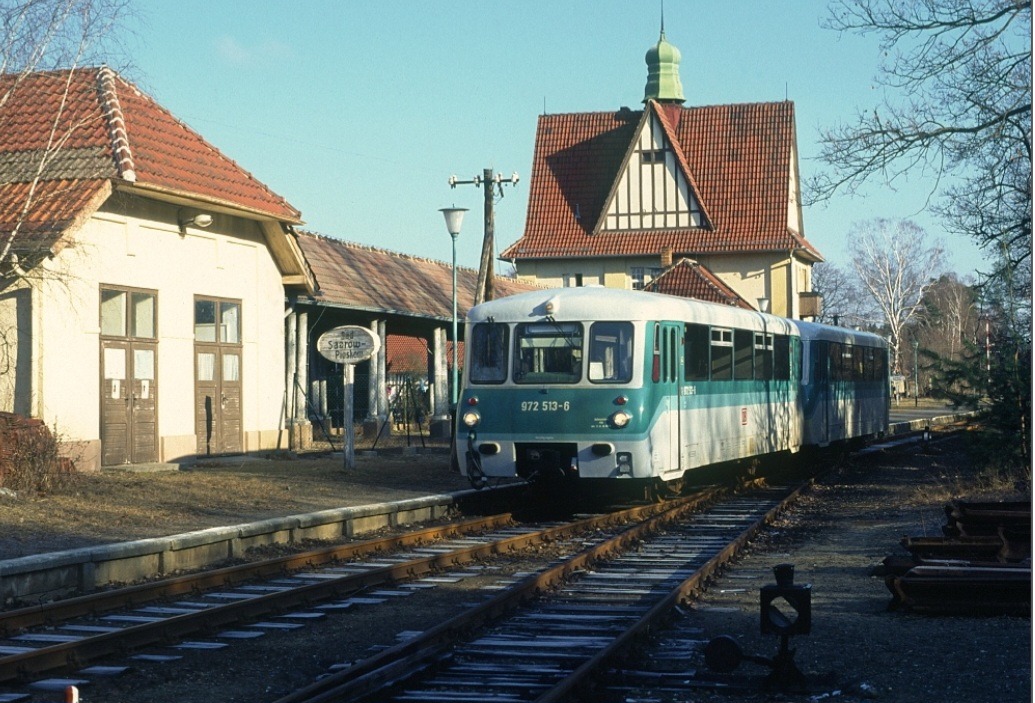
(663, 73)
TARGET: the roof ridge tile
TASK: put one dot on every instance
(112, 109)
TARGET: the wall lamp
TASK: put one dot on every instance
(201, 220)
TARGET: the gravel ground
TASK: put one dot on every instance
(857, 650)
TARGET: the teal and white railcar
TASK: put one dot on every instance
(845, 384)
(597, 383)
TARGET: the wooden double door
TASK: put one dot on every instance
(129, 375)
(217, 376)
(129, 402)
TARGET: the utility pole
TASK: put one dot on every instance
(487, 180)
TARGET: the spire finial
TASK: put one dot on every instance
(663, 72)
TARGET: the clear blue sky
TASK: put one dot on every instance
(357, 112)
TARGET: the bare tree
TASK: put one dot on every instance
(843, 300)
(950, 316)
(895, 265)
(956, 77)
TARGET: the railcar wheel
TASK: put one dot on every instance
(664, 490)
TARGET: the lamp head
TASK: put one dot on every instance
(201, 219)
(454, 218)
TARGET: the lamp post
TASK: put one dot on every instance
(454, 218)
(916, 374)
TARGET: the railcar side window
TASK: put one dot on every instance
(488, 353)
(548, 352)
(655, 363)
(610, 352)
(818, 365)
(834, 352)
(671, 360)
(763, 356)
(695, 352)
(858, 364)
(882, 365)
(782, 358)
(722, 354)
(742, 352)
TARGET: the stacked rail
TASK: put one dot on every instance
(981, 564)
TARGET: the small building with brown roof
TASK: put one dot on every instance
(142, 276)
(688, 279)
(405, 301)
(616, 197)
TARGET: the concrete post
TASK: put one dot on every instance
(440, 386)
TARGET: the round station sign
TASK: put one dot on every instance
(348, 344)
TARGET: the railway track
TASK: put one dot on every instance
(548, 635)
(69, 635)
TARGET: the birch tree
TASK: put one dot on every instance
(895, 265)
(42, 35)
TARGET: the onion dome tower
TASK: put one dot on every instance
(663, 73)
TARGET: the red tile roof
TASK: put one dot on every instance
(689, 279)
(107, 131)
(737, 157)
(410, 355)
(57, 206)
(366, 278)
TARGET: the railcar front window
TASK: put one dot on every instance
(488, 353)
(610, 352)
(548, 352)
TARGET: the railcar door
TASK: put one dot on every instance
(816, 385)
(665, 374)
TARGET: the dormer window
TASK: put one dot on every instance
(655, 156)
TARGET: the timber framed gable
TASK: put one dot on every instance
(654, 188)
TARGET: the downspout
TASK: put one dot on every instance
(793, 309)
(35, 334)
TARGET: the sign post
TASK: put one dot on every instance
(348, 345)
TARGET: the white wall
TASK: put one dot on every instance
(137, 243)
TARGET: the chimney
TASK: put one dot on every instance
(666, 257)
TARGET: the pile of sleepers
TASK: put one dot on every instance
(982, 564)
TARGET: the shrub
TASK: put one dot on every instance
(29, 456)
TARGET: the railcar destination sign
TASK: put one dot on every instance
(348, 344)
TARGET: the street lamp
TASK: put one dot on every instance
(454, 218)
(916, 374)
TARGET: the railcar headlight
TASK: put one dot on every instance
(471, 418)
(620, 419)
